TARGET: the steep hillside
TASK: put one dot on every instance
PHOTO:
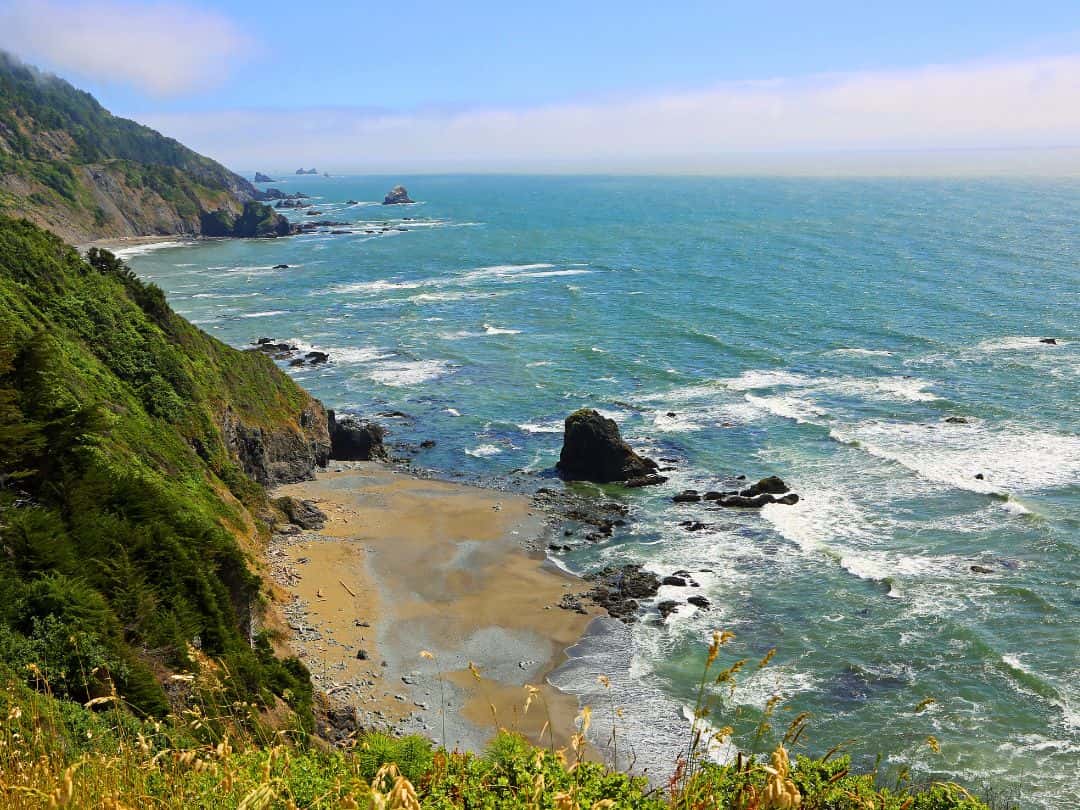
(133, 448)
(69, 165)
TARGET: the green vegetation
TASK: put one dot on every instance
(69, 151)
(120, 503)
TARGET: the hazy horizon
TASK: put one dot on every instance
(838, 90)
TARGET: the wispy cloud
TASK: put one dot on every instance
(1026, 103)
(164, 49)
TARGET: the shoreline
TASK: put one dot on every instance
(116, 243)
(423, 578)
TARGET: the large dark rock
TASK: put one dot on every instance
(594, 450)
(771, 486)
(397, 196)
(304, 514)
(354, 440)
(263, 178)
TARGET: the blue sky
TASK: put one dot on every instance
(215, 73)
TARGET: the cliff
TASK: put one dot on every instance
(133, 453)
(69, 165)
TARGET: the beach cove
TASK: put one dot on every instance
(410, 582)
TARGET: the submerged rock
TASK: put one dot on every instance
(397, 196)
(354, 440)
(594, 450)
(1048, 341)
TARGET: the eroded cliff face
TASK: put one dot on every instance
(286, 453)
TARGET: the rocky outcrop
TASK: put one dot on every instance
(304, 514)
(594, 450)
(307, 171)
(397, 196)
(618, 589)
(263, 178)
(256, 220)
(284, 454)
(766, 491)
(355, 440)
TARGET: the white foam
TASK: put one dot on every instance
(1014, 343)
(753, 379)
(226, 295)
(495, 330)
(1013, 460)
(857, 352)
(452, 411)
(542, 427)
(138, 250)
(408, 372)
(788, 407)
(269, 313)
(484, 451)
(380, 285)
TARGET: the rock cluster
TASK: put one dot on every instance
(766, 491)
(354, 440)
(397, 196)
(617, 589)
(594, 450)
(307, 171)
(288, 351)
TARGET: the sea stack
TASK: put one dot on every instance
(397, 196)
(594, 450)
(263, 178)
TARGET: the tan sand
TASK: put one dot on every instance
(121, 242)
(439, 567)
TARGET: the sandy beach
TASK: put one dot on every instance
(119, 243)
(408, 567)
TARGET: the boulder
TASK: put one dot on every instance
(771, 486)
(981, 569)
(689, 496)
(397, 196)
(667, 607)
(304, 514)
(354, 440)
(956, 420)
(678, 582)
(1048, 341)
(594, 450)
(281, 267)
(699, 602)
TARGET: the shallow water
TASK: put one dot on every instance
(820, 330)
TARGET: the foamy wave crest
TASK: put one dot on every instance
(1016, 343)
(379, 285)
(753, 379)
(269, 313)
(137, 250)
(856, 352)
(408, 372)
(542, 427)
(788, 407)
(1018, 460)
(495, 330)
(484, 451)
(343, 354)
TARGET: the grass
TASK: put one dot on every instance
(218, 753)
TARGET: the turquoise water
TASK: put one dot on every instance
(820, 330)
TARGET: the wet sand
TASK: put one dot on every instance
(435, 567)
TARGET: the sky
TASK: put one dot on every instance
(597, 86)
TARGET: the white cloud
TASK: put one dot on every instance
(1028, 103)
(165, 48)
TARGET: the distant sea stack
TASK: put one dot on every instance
(263, 178)
(397, 196)
(307, 171)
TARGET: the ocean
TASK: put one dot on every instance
(876, 343)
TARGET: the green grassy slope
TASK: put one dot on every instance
(123, 502)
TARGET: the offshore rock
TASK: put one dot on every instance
(263, 178)
(397, 196)
(354, 440)
(594, 450)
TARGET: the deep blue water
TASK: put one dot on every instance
(820, 330)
